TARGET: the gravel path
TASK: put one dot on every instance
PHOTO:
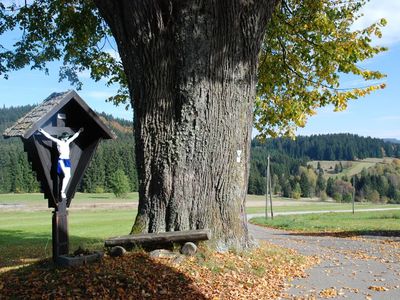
(366, 268)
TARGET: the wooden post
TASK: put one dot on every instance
(60, 230)
(60, 213)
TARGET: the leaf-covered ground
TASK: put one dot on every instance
(257, 274)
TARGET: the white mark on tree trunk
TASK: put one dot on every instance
(238, 157)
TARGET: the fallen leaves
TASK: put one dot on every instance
(333, 292)
(260, 274)
(328, 293)
(135, 275)
(378, 288)
(257, 274)
(358, 254)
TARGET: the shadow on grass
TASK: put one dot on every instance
(133, 276)
(18, 247)
(352, 233)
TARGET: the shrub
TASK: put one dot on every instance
(373, 196)
(347, 197)
(323, 196)
(337, 197)
(99, 189)
(296, 195)
(120, 184)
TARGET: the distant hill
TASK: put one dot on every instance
(335, 168)
(343, 146)
(394, 141)
(288, 157)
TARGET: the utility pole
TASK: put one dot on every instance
(269, 190)
(354, 191)
(266, 191)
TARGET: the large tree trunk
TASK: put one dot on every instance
(191, 69)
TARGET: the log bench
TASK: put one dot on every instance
(164, 239)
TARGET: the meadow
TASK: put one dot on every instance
(385, 223)
(350, 168)
(25, 221)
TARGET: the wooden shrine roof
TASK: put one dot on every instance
(34, 119)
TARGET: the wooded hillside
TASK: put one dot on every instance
(343, 146)
(291, 176)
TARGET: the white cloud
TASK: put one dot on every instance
(377, 9)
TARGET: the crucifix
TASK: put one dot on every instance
(60, 236)
(60, 152)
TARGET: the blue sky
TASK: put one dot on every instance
(376, 115)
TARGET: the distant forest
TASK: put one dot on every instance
(291, 176)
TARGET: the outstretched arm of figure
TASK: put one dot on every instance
(72, 138)
(41, 130)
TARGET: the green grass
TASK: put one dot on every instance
(361, 222)
(79, 198)
(27, 235)
(321, 206)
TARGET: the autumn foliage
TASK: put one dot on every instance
(258, 274)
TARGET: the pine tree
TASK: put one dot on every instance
(305, 185)
(321, 184)
(330, 187)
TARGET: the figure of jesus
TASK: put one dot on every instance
(64, 162)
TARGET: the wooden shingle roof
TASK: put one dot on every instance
(34, 119)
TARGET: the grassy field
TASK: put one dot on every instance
(383, 222)
(37, 198)
(256, 204)
(355, 168)
(321, 206)
(26, 234)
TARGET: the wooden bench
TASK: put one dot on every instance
(146, 240)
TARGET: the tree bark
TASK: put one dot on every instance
(191, 70)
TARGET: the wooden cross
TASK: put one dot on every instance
(60, 235)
